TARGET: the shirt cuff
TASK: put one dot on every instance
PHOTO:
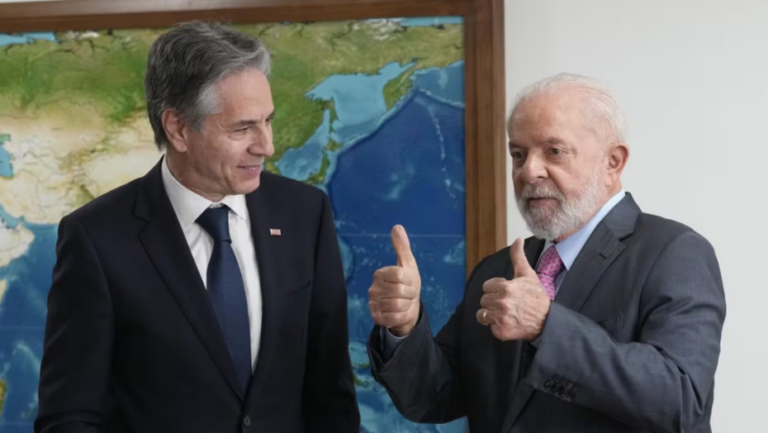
(390, 343)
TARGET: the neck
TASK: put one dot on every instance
(614, 190)
(186, 176)
(572, 232)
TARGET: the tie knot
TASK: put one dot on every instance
(215, 221)
(550, 263)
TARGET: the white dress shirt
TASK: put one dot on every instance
(188, 207)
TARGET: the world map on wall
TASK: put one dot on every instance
(371, 111)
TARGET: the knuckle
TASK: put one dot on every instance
(508, 287)
(508, 306)
(379, 274)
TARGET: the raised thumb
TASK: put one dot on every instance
(519, 261)
(402, 247)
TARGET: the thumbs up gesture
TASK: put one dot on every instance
(515, 309)
(393, 298)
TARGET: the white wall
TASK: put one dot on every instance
(692, 77)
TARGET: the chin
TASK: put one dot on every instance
(246, 187)
(251, 186)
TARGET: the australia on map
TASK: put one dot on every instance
(372, 112)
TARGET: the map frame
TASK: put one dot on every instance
(485, 104)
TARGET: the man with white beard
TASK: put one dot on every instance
(608, 319)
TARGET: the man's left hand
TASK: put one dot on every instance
(515, 309)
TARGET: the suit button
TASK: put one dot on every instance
(247, 421)
(548, 385)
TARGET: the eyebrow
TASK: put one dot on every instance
(249, 122)
(549, 140)
(242, 124)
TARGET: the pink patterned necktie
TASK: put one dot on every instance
(549, 266)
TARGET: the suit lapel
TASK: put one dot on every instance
(261, 214)
(598, 253)
(168, 250)
(601, 249)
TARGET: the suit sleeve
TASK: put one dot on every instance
(662, 382)
(330, 398)
(77, 351)
(423, 375)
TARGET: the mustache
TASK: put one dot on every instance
(533, 191)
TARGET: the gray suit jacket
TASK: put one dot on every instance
(631, 343)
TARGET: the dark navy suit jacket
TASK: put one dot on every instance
(132, 343)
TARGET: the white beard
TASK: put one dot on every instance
(570, 214)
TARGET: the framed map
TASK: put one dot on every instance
(394, 108)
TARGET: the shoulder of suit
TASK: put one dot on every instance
(661, 228)
(656, 234)
(120, 200)
(272, 183)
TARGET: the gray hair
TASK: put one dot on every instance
(602, 107)
(185, 64)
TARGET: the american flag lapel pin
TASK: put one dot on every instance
(274, 232)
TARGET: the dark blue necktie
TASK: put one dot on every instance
(227, 292)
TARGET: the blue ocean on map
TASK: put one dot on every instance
(303, 161)
(22, 316)
(6, 170)
(26, 38)
(402, 164)
(8, 220)
(430, 21)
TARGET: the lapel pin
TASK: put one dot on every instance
(274, 232)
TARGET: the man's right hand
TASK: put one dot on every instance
(394, 295)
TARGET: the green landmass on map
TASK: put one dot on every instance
(318, 177)
(3, 394)
(397, 88)
(105, 73)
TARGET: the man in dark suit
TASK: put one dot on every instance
(206, 296)
(607, 320)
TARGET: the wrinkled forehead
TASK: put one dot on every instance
(249, 84)
(546, 112)
(244, 94)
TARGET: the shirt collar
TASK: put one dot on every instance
(570, 248)
(189, 205)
